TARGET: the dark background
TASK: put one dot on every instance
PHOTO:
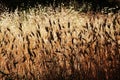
(24, 4)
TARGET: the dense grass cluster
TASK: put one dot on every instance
(67, 45)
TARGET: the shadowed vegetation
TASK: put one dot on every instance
(95, 5)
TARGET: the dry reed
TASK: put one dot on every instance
(66, 45)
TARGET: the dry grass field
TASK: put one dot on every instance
(46, 45)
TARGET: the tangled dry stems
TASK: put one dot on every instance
(64, 45)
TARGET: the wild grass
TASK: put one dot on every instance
(43, 44)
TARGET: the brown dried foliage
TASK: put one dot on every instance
(60, 46)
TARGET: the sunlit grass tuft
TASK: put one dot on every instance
(43, 44)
